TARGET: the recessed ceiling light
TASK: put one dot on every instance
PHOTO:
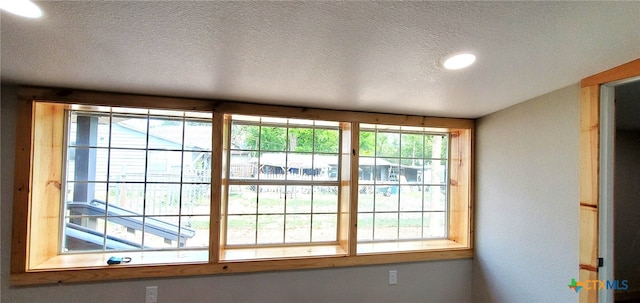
(459, 61)
(24, 8)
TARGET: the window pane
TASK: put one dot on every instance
(299, 122)
(128, 132)
(410, 198)
(436, 146)
(164, 232)
(196, 167)
(126, 197)
(325, 167)
(85, 191)
(244, 137)
(197, 135)
(271, 199)
(242, 166)
(365, 226)
(387, 144)
(412, 146)
(434, 225)
(145, 161)
(366, 170)
(366, 199)
(387, 170)
(298, 228)
(326, 140)
(162, 199)
(298, 199)
(196, 199)
(243, 199)
(87, 164)
(367, 143)
(324, 228)
(124, 230)
(411, 225)
(388, 200)
(273, 166)
(385, 226)
(411, 173)
(195, 231)
(301, 139)
(163, 112)
(165, 133)
(88, 129)
(127, 165)
(273, 120)
(273, 138)
(86, 234)
(293, 155)
(435, 172)
(435, 198)
(130, 110)
(402, 183)
(300, 166)
(270, 229)
(241, 230)
(325, 199)
(164, 166)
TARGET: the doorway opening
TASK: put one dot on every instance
(619, 228)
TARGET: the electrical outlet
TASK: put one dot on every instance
(393, 277)
(152, 294)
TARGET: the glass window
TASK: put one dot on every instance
(403, 189)
(136, 181)
(283, 186)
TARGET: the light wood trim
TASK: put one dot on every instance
(38, 275)
(353, 154)
(22, 186)
(460, 200)
(218, 176)
(138, 258)
(589, 188)
(628, 70)
(345, 222)
(590, 169)
(232, 107)
(407, 246)
(281, 252)
(76, 96)
(340, 115)
(172, 270)
(44, 212)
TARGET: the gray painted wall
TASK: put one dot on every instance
(627, 207)
(527, 193)
(439, 281)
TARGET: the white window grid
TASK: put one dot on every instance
(110, 114)
(372, 188)
(286, 185)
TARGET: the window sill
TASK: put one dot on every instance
(276, 253)
(408, 246)
(99, 260)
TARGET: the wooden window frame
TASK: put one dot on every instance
(373, 245)
(35, 244)
(87, 206)
(257, 251)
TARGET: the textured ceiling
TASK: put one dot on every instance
(373, 56)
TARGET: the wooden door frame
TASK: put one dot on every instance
(590, 169)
